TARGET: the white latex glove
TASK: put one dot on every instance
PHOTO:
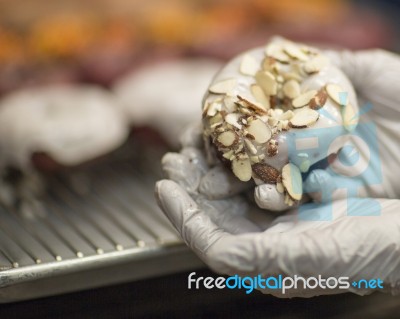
(232, 238)
(374, 74)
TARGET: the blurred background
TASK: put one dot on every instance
(143, 56)
(98, 41)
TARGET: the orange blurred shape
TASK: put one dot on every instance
(62, 36)
(297, 11)
(11, 49)
(117, 34)
(226, 19)
(170, 22)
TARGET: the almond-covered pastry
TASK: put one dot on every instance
(267, 94)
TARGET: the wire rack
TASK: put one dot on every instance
(97, 226)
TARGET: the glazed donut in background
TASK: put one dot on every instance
(55, 128)
(164, 95)
(50, 128)
(265, 97)
(72, 124)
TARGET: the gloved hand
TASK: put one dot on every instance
(232, 237)
(373, 74)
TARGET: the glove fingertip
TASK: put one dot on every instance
(160, 189)
(182, 170)
(268, 197)
(168, 157)
(317, 180)
(320, 185)
(174, 201)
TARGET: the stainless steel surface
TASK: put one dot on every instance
(96, 226)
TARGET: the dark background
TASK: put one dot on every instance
(168, 297)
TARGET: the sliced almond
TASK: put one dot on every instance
(261, 131)
(244, 110)
(220, 129)
(228, 155)
(254, 159)
(316, 64)
(285, 125)
(233, 119)
(291, 76)
(266, 173)
(275, 51)
(271, 64)
(304, 98)
(267, 82)
(250, 146)
(334, 91)
(242, 169)
(255, 106)
(304, 118)
(208, 108)
(205, 107)
(227, 138)
(279, 187)
(272, 121)
(268, 63)
(291, 89)
(223, 87)
(239, 150)
(288, 200)
(309, 50)
(260, 96)
(273, 47)
(319, 100)
(295, 52)
(350, 117)
(277, 112)
(214, 108)
(286, 116)
(230, 103)
(216, 120)
(292, 182)
(249, 65)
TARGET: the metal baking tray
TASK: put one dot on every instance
(95, 226)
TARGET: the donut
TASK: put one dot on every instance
(71, 124)
(268, 95)
(163, 95)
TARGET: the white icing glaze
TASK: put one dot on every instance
(71, 124)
